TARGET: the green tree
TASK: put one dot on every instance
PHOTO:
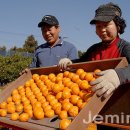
(30, 44)
(16, 49)
(80, 53)
(11, 66)
(3, 48)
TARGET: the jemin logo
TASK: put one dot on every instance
(98, 119)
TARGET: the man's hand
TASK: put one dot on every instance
(106, 83)
(24, 71)
(63, 63)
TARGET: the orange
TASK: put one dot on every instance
(9, 99)
(26, 102)
(41, 99)
(37, 104)
(66, 94)
(58, 110)
(64, 124)
(45, 92)
(18, 102)
(16, 97)
(45, 104)
(87, 96)
(79, 103)
(58, 104)
(93, 79)
(84, 85)
(38, 113)
(56, 88)
(75, 78)
(49, 97)
(29, 112)
(73, 111)
(88, 76)
(48, 107)
(32, 101)
(11, 109)
(63, 114)
(58, 96)
(82, 93)
(53, 102)
(19, 107)
(66, 106)
(65, 100)
(84, 103)
(49, 113)
(75, 89)
(92, 126)
(3, 112)
(82, 75)
(74, 99)
(11, 103)
(15, 91)
(51, 76)
(58, 79)
(27, 84)
(35, 77)
(68, 84)
(71, 74)
(64, 80)
(96, 71)
(60, 75)
(40, 84)
(24, 117)
(79, 71)
(3, 105)
(27, 107)
(20, 88)
(66, 73)
(14, 116)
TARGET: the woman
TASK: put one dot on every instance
(109, 25)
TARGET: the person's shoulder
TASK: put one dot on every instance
(42, 46)
(124, 41)
(95, 46)
(66, 43)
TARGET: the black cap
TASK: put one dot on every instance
(48, 19)
(106, 13)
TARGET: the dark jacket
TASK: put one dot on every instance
(124, 50)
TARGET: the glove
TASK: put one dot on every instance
(106, 83)
(63, 63)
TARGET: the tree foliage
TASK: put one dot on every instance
(30, 44)
(3, 48)
(80, 53)
(11, 66)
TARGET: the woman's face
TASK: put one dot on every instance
(50, 33)
(107, 31)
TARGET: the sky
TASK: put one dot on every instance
(19, 19)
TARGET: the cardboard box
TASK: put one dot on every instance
(95, 105)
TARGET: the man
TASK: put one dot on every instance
(55, 48)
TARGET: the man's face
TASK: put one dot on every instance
(107, 31)
(50, 33)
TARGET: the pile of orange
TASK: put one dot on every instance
(64, 94)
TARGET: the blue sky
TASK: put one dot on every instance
(19, 19)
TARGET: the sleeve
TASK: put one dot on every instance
(73, 53)
(126, 52)
(123, 74)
